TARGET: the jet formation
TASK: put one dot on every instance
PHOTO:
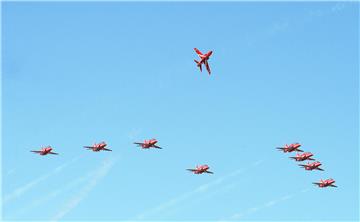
(200, 169)
(310, 166)
(147, 144)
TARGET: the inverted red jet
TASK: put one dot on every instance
(201, 169)
(203, 60)
(290, 148)
(312, 166)
(326, 183)
(44, 151)
(98, 147)
(148, 144)
(303, 156)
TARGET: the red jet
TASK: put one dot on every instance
(44, 151)
(203, 60)
(302, 157)
(98, 147)
(312, 166)
(290, 148)
(326, 183)
(148, 144)
(201, 169)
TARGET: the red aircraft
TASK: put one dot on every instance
(302, 157)
(44, 151)
(203, 60)
(148, 144)
(200, 169)
(290, 148)
(312, 166)
(326, 183)
(98, 147)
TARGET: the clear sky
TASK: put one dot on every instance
(78, 73)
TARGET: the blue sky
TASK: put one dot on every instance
(79, 73)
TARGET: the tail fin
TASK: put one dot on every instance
(198, 64)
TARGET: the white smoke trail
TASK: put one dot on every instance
(84, 191)
(23, 189)
(45, 198)
(201, 189)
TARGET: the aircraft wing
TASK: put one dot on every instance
(138, 143)
(35, 151)
(317, 184)
(280, 148)
(89, 147)
(198, 64)
(198, 51)
(209, 172)
(192, 170)
(320, 169)
(157, 147)
(302, 165)
(299, 150)
(53, 153)
(207, 67)
(333, 185)
(107, 149)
